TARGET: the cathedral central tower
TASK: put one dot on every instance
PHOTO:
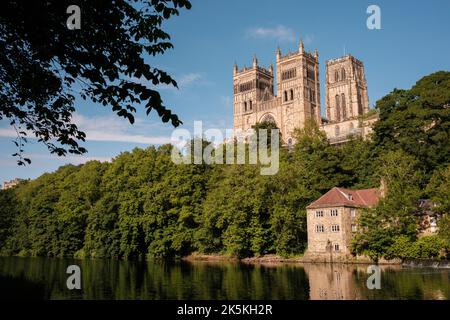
(297, 97)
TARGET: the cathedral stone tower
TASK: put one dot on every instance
(297, 98)
(298, 87)
(251, 86)
(345, 89)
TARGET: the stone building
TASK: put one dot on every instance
(297, 95)
(332, 220)
(427, 217)
(11, 183)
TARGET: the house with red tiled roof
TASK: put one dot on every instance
(332, 221)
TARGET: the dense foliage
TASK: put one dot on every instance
(43, 64)
(142, 204)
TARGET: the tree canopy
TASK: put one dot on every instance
(44, 65)
(143, 205)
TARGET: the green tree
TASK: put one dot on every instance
(438, 190)
(43, 64)
(8, 212)
(417, 121)
(394, 215)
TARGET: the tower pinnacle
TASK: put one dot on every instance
(301, 47)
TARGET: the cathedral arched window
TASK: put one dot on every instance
(336, 76)
(338, 109)
(292, 94)
(251, 105)
(343, 74)
(245, 106)
(285, 96)
(344, 107)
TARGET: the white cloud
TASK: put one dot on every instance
(110, 128)
(280, 33)
(183, 81)
(74, 159)
(8, 132)
(113, 128)
(188, 79)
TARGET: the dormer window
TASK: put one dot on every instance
(350, 197)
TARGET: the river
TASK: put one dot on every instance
(45, 278)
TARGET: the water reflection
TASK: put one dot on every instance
(33, 278)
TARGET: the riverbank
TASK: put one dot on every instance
(274, 259)
(271, 258)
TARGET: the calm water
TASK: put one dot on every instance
(44, 278)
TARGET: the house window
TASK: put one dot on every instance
(335, 228)
(354, 228)
(336, 247)
(333, 212)
(319, 213)
(353, 212)
(320, 228)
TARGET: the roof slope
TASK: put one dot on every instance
(347, 197)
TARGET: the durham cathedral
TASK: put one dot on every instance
(297, 95)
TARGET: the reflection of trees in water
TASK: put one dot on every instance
(110, 279)
(407, 284)
(348, 282)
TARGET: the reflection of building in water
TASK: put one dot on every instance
(344, 281)
(331, 282)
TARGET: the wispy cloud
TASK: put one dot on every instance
(183, 81)
(280, 33)
(110, 128)
(189, 79)
(74, 159)
(42, 158)
(113, 128)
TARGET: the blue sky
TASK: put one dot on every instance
(413, 42)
